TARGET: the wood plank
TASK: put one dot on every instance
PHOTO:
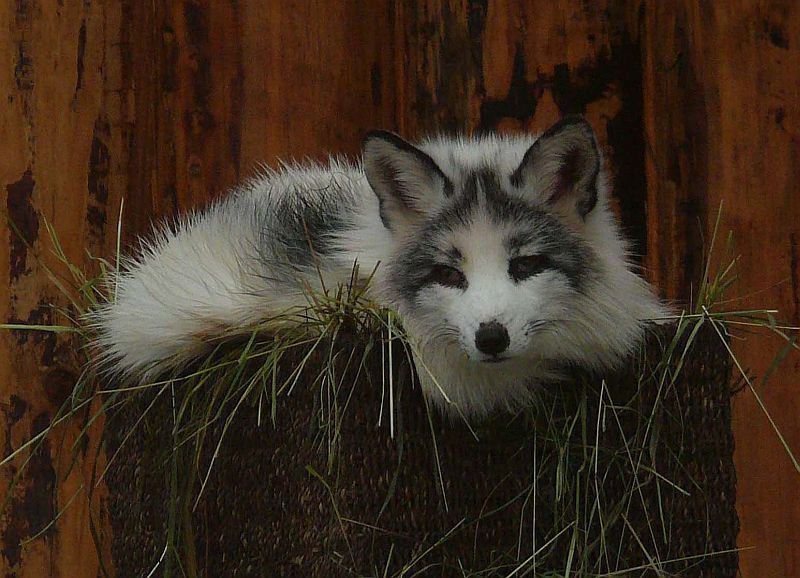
(722, 109)
(519, 66)
(170, 104)
(60, 163)
(222, 87)
(318, 75)
(167, 105)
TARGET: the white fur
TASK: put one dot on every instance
(204, 278)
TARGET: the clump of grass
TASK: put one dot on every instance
(238, 372)
(586, 535)
(249, 372)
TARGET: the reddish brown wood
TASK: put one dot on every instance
(169, 104)
(224, 86)
(318, 76)
(165, 105)
(61, 161)
(721, 114)
(470, 66)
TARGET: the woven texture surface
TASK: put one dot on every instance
(284, 500)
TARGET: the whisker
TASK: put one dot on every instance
(444, 333)
(540, 325)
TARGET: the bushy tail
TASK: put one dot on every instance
(200, 279)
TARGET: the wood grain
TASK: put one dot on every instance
(519, 66)
(224, 86)
(60, 162)
(721, 118)
(167, 104)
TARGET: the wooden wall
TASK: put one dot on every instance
(169, 103)
(722, 119)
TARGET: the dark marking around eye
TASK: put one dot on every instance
(447, 276)
(521, 268)
(533, 229)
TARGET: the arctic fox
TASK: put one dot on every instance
(500, 255)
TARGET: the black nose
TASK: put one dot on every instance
(491, 338)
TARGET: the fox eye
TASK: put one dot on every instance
(520, 268)
(447, 276)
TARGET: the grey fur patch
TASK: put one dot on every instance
(469, 191)
(296, 230)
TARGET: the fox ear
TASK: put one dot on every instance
(408, 183)
(563, 165)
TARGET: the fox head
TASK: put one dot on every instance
(486, 256)
(505, 249)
